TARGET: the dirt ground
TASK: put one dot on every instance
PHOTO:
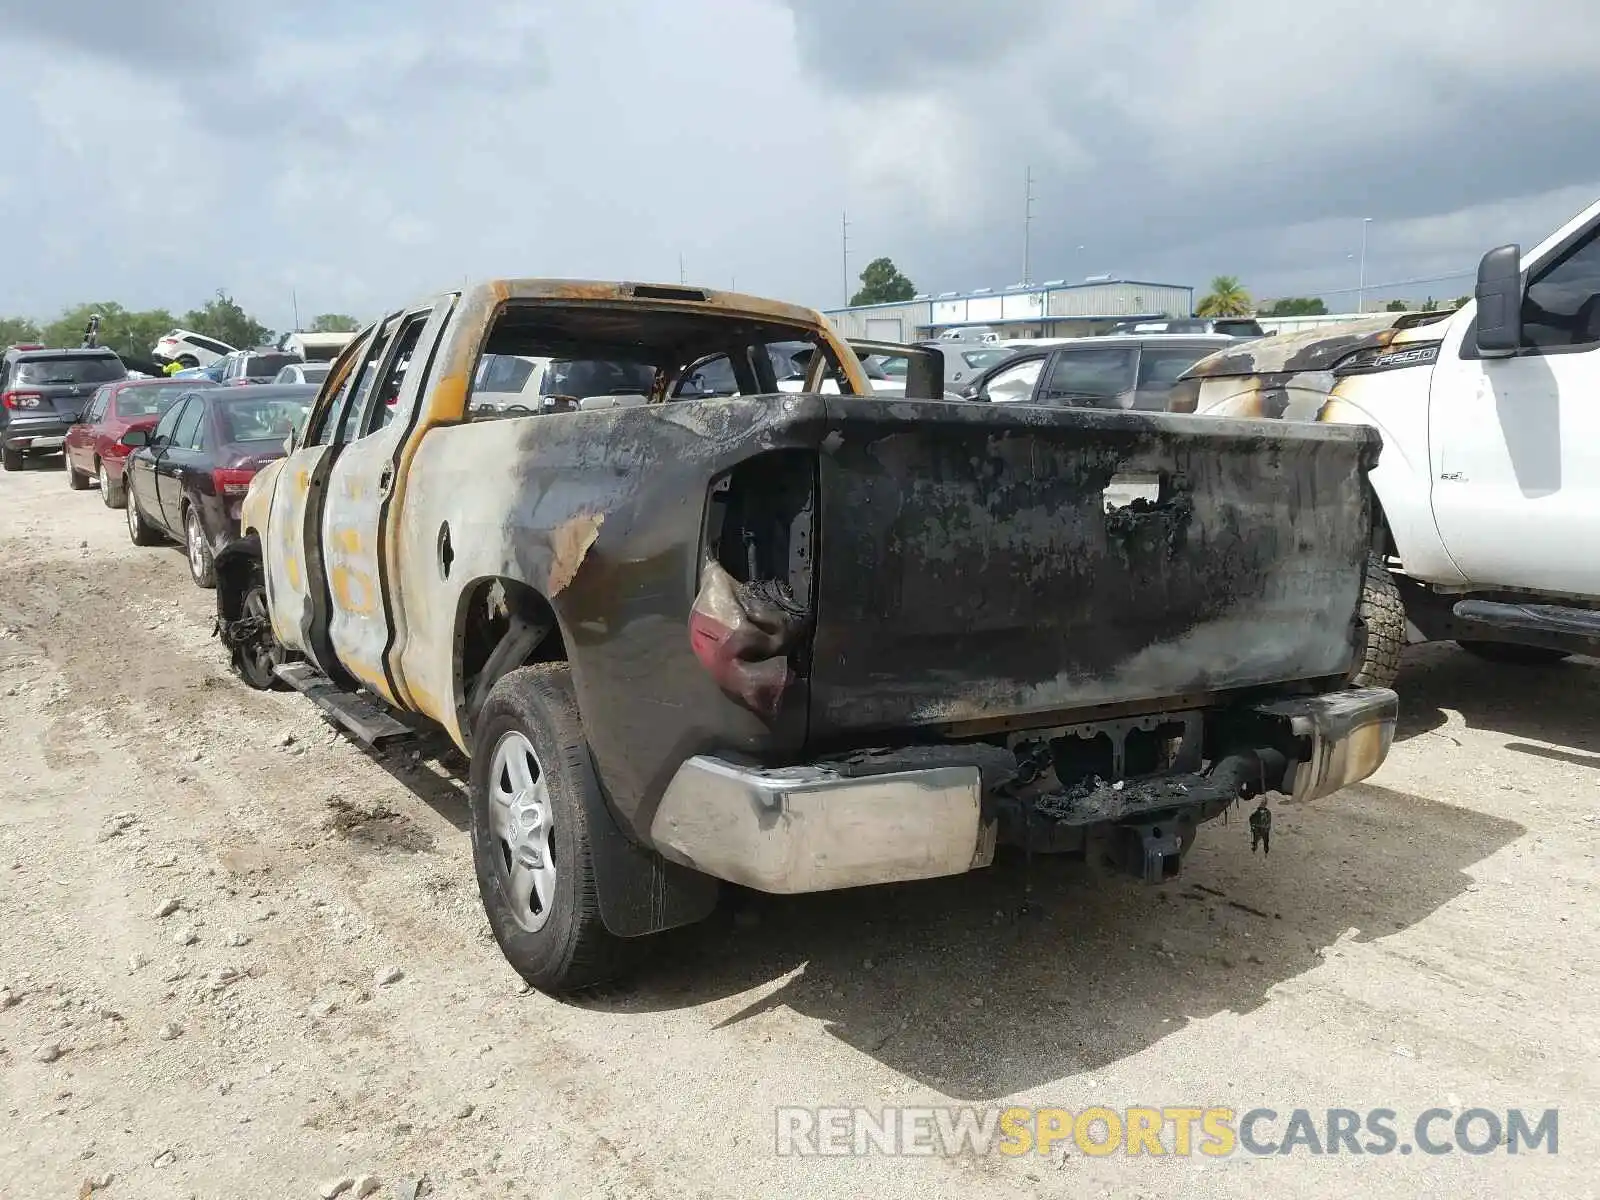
(1427, 939)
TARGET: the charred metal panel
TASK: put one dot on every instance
(601, 512)
(970, 568)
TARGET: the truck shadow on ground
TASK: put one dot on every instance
(1559, 704)
(946, 983)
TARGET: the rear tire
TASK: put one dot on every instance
(255, 658)
(111, 493)
(553, 935)
(76, 480)
(1384, 615)
(140, 531)
(1512, 655)
(11, 458)
(188, 362)
(202, 566)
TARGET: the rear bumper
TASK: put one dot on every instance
(813, 829)
(31, 433)
(817, 828)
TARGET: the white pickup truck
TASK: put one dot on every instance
(1489, 479)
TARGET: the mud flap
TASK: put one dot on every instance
(639, 891)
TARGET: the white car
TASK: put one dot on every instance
(1488, 484)
(304, 372)
(189, 348)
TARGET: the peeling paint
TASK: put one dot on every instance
(569, 543)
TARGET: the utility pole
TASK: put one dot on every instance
(294, 300)
(1361, 291)
(1027, 229)
(844, 247)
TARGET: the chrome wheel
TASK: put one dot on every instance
(520, 818)
(197, 544)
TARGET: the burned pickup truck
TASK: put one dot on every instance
(795, 641)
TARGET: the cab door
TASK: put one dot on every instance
(356, 501)
(296, 593)
(1516, 441)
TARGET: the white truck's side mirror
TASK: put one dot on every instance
(1499, 297)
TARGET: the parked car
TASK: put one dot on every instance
(510, 383)
(794, 641)
(254, 366)
(189, 348)
(963, 364)
(41, 394)
(95, 449)
(1234, 327)
(186, 478)
(966, 333)
(1095, 372)
(303, 372)
(316, 347)
(1488, 490)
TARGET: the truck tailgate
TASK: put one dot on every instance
(979, 561)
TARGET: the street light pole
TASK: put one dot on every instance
(1361, 292)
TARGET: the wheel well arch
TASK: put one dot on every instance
(1383, 544)
(237, 565)
(501, 624)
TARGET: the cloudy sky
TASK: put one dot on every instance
(359, 154)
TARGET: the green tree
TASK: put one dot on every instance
(334, 323)
(130, 333)
(1461, 301)
(1227, 299)
(14, 330)
(223, 319)
(882, 283)
(1397, 306)
(1430, 305)
(1296, 306)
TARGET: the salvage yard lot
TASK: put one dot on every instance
(1428, 939)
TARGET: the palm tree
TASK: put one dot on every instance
(1227, 299)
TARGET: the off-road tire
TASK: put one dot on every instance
(76, 480)
(11, 458)
(140, 531)
(1384, 615)
(573, 950)
(1512, 655)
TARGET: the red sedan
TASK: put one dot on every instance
(94, 447)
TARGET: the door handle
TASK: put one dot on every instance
(386, 481)
(1453, 477)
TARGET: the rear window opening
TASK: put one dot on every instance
(602, 356)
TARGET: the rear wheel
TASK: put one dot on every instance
(201, 565)
(1513, 655)
(76, 479)
(188, 361)
(140, 531)
(111, 493)
(11, 458)
(532, 783)
(255, 652)
(1384, 615)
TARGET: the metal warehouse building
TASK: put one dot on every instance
(1053, 309)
